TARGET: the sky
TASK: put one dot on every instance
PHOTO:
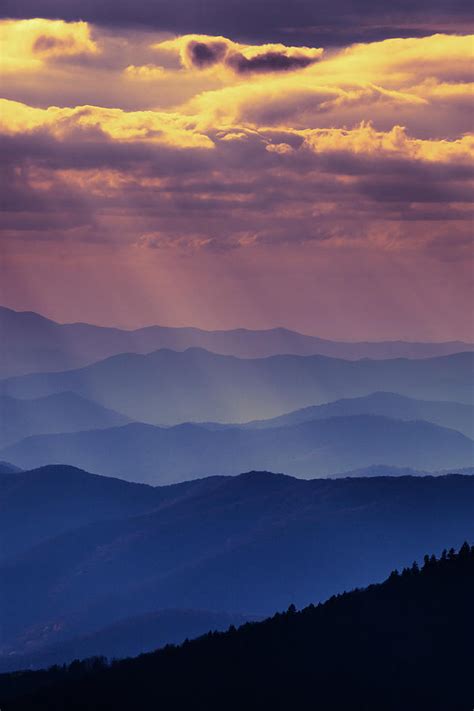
(228, 164)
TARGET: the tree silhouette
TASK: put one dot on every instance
(366, 650)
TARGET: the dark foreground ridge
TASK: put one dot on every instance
(403, 644)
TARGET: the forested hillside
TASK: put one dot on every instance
(404, 644)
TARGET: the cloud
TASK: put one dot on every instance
(28, 44)
(204, 52)
(92, 121)
(248, 186)
(280, 148)
(271, 61)
(366, 141)
(149, 72)
(402, 62)
(364, 82)
(221, 84)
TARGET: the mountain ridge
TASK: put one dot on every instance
(38, 344)
(167, 387)
(277, 329)
(450, 414)
(324, 447)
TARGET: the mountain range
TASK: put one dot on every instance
(169, 387)
(126, 523)
(156, 455)
(67, 412)
(455, 415)
(33, 343)
(87, 552)
(403, 644)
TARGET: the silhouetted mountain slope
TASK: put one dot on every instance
(33, 343)
(455, 415)
(167, 387)
(61, 412)
(156, 455)
(126, 638)
(248, 544)
(405, 644)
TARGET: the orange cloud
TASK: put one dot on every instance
(361, 83)
(139, 126)
(365, 140)
(179, 130)
(28, 44)
(231, 83)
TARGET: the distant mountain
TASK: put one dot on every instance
(247, 544)
(126, 638)
(156, 455)
(384, 470)
(405, 644)
(168, 387)
(60, 412)
(457, 416)
(33, 343)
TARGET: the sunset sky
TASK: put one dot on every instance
(231, 164)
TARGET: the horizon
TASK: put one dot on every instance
(231, 329)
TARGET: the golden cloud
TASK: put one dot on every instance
(230, 83)
(140, 126)
(369, 133)
(180, 131)
(27, 44)
(363, 82)
(365, 140)
(298, 102)
(403, 62)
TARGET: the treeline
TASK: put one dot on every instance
(405, 644)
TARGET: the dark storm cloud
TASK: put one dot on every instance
(305, 21)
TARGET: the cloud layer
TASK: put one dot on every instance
(314, 23)
(210, 159)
